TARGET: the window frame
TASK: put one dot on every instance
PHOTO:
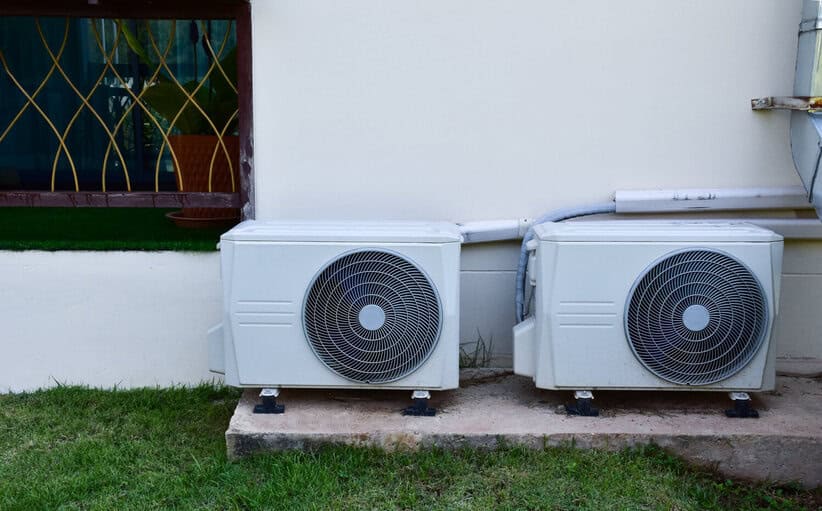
(240, 11)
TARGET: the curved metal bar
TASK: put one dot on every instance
(215, 58)
(214, 153)
(45, 118)
(40, 86)
(193, 101)
(131, 106)
(137, 99)
(85, 104)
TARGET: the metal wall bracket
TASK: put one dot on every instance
(799, 103)
(812, 105)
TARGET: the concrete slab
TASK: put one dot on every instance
(495, 407)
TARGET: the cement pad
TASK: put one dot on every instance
(494, 407)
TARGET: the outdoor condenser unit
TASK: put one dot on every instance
(339, 304)
(651, 305)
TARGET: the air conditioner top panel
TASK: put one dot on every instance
(344, 231)
(654, 231)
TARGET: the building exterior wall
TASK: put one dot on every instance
(449, 110)
(480, 109)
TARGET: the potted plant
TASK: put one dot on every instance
(201, 162)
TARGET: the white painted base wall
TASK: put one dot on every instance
(132, 319)
(126, 319)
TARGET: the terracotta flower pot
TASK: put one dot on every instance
(194, 153)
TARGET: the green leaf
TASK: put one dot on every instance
(167, 99)
(134, 44)
(216, 96)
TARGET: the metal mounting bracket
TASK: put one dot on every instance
(799, 103)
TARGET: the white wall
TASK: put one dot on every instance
(444, 109)
(478, 109)
(106, 318)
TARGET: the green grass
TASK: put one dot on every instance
(99, 229)
(74, 448)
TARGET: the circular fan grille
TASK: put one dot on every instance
(696, 317)
(372, 316)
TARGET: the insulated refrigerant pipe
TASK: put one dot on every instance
(657, 201)
(494, 230)
(554, 216)
(647, 202)
(710, 199)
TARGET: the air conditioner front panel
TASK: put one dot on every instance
(266, 286)
(580, 312)
(696, 317)
(372, 316)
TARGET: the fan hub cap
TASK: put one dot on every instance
(371, 317)
(696, 318)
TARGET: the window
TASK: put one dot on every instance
(126, 104)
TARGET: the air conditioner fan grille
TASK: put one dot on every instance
(696, 317)
(372, 316)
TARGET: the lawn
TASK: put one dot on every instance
(99, 229)
(75, 448)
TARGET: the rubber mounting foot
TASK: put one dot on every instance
(269, 405)
(583, 408)
(742, 410)
(420, 408)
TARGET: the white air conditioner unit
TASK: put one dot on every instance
(651, 305)
(339, 304)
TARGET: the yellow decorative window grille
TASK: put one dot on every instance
(118, 105)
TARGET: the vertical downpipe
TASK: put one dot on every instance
(806, 127)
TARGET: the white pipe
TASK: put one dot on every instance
(657, 201)
(789, 228)
(494, 230)
(713, 199)
(678, 201)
